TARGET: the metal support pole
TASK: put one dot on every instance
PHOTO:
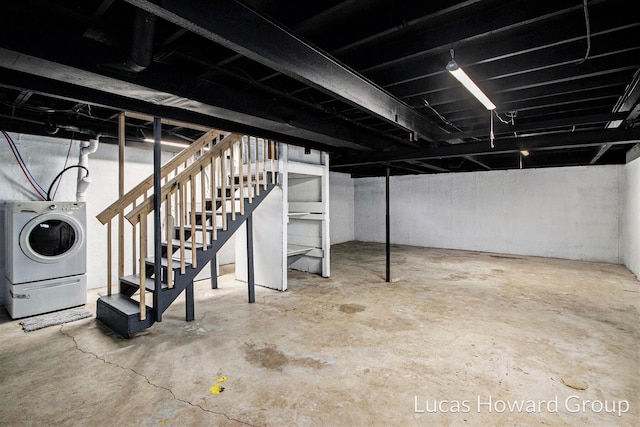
(388, 228)
(157, 226)
(250, 278)
(190, 302)
(214, 267)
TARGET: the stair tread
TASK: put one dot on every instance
(163, 262)
(197, 227)
(149, 284)
(236, 186)
(219, 199)
(208, 213)
(187, 244)
(123, 303)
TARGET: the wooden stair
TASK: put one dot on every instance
(234, 195)
(121, 312)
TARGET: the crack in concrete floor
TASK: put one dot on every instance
(152, 384)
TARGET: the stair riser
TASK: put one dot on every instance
(124, 325)
(128, 324)
(150, 269)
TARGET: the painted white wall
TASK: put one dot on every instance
(570, 212)
(268, 235)
(630, 228)
(341, 205)
(45, 158)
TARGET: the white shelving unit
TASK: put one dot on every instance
(307, 194)
(291, 227)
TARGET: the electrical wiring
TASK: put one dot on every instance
(66, 162)
(45, 195)
(23, 166)
(60, 174)
(588, 25)
(506, 122)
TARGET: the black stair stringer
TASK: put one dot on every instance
(122, 314)
(168, 296)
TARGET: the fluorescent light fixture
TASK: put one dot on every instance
(168, 143)
(466, 81)
(525, 153)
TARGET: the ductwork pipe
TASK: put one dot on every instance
(142, 46)
(86, 148)
(141, 54)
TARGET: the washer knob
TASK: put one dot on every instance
(53, 207)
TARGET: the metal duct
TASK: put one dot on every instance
(141, 55)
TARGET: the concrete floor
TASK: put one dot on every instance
(454, 340)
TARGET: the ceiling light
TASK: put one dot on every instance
(525, 153)
(466, 81)
(168, 143)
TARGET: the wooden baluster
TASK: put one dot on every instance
(134, 244)
(121, 244)
(203, 210)
(143, 255)
(109, 260)
(272, 145)
(241, 177)
(232, 177)
(192, 191)
(183, 219)
(146, 244)
(249, 178)
(264, 163)
(223, 187)
(121, 176)
(175, 200)
(257, 166)
(212, 183)
(168, 230)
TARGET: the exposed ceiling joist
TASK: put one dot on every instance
(219, 102)
(625, 104)
(260, 67)
(253, 35)
(503, 146)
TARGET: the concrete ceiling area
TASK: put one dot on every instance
(364, 80)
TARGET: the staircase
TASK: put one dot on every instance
(209, 190)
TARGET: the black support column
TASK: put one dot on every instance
(214, 265)
(190, 306)
(388, 227)
(157, 226)
(250, 278)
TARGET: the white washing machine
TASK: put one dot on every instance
(45, 256)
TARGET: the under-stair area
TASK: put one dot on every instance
(208, 191)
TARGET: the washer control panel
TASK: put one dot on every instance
(41, 207)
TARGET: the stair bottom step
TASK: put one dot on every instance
(122, 314)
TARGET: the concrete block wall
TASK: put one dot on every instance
(589, 213)
(46, 157)
(570, 212)
(341, 206)
(630, 228)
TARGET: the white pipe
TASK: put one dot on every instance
(86, 148)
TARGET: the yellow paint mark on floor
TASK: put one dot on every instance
(216, 389)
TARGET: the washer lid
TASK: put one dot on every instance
(51, 237)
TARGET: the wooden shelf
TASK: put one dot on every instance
(293, 250)
(298, 214)
(299, 169)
